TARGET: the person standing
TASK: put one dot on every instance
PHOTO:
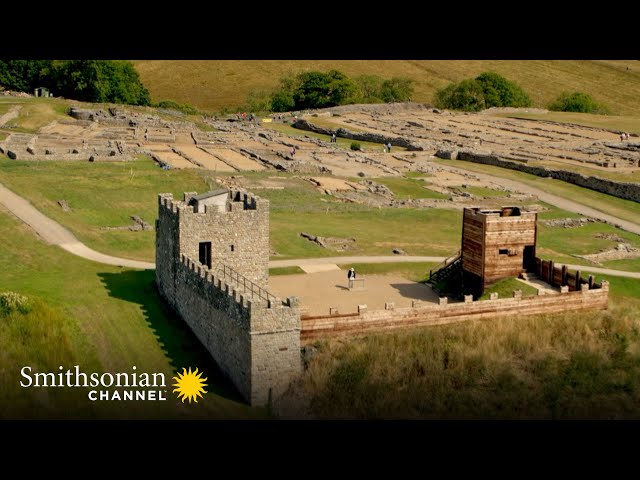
(351, 276)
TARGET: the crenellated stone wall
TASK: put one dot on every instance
(253, 336)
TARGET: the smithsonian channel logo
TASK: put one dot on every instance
(132, 386)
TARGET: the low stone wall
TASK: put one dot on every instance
(627, 191)
(439, 314)
(362, 136)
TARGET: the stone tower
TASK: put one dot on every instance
(212, 266)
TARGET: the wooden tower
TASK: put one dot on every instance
(496, 244)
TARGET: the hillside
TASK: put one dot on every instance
(214, 84)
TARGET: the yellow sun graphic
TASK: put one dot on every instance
(189, 385)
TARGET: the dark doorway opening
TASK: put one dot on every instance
(204, 253)
(529, 258)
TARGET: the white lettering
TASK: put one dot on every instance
(125, 377)
(92, 395)
(144, 380)
(84, 376)
(109, 376)
(155, 382)
(25, 375)
(44, 377)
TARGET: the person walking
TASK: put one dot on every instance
(351, 276)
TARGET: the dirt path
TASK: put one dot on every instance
(554, 200)
(10, 115)
(342, 260)
(55, 234)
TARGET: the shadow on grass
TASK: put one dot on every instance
(180, 344)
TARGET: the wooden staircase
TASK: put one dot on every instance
(449, 271)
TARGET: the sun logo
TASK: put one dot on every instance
(189, 385)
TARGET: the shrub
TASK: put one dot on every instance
(576, 102)
(181, 107)
(466, 96)
(500, 92)
(485, 91)
(12, 301)
(355, 146)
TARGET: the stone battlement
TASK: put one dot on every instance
(236, 201)
(212, 267)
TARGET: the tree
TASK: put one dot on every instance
(370, 87)
(486, 90)
(101, 81)
(466, 95)
(320, 90)
(500, 92)
(282, 99)
(25, 75)
(397, 89)
(576, 102)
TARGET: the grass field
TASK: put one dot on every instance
(107, 194)
(629, 124)
(102, 318)
(582, 365)
(35, 113)
(573, 366)
(624, 209)
(407, 188)
(215, 84)
(101, 195)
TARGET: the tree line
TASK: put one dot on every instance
(492, 90)
(117, 81)
(315, 89)
(95, 81)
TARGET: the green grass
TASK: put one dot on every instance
(103, 318)
(623, 291)
(583, 365)
(483, 192)
(101, 195)
(36, 113)
(624, 209)
(408, 188)
(285, 271)
(582, 240)
(417, 272)
(504, 288)
(629, 124)
(377, 232)
(214, 84)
